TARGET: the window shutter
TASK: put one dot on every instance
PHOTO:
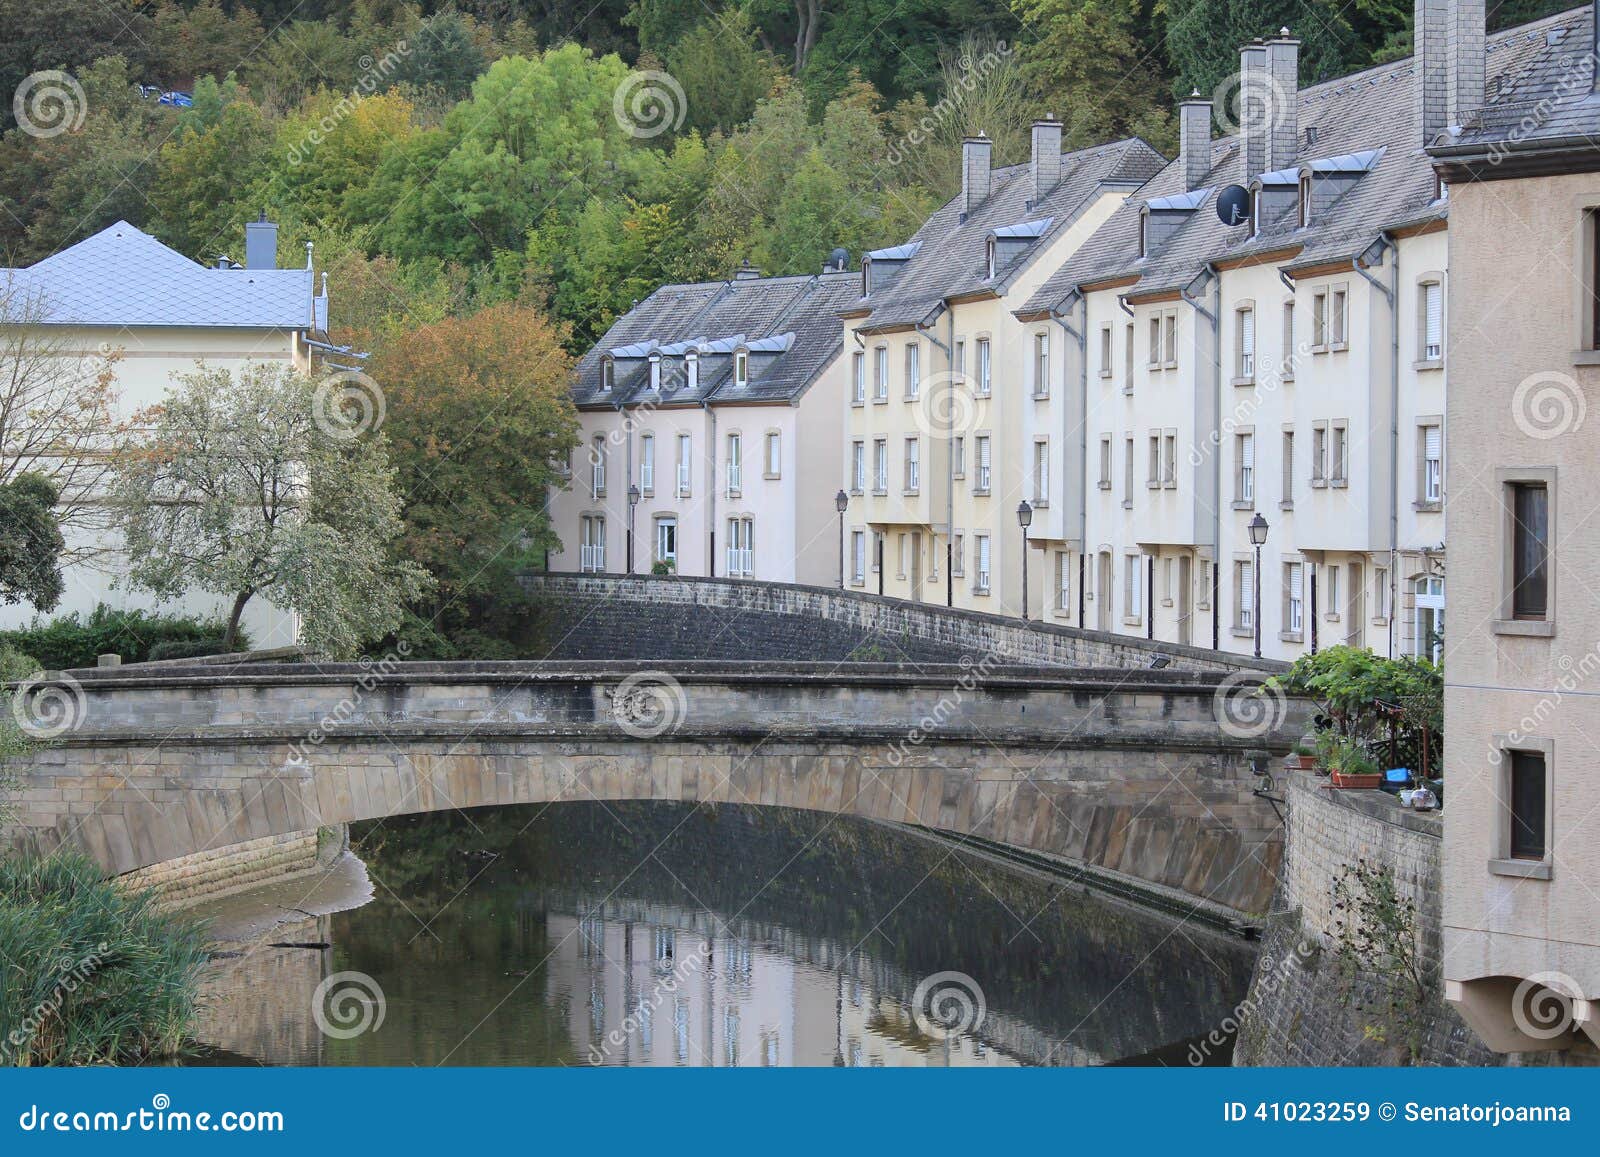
(1247, 451)
(1433, 444)
(1245, 589)
(1247, 331)
(1295, 580)
(1433, 313)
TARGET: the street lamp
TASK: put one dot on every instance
(633, 500)
(840, 501)
(1258, 539)
(1024, 520)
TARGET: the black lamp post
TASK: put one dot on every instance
(1258, 538)
(633, 501)
(841, 500)
(1024, 520)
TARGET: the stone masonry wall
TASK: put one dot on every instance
(649, 617)
(215, 872)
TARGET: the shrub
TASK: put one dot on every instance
(72, 641)
(186, 648)
(94, 974)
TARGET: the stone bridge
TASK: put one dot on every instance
(1142, 772)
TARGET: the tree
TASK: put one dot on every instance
(221, 148)
(30, 543)
(1096, 62)
(264, 484)
(1204, 37)
(442, 54)
(723, 72)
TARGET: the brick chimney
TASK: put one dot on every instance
(1448, 52)
(1194, 139)
(1251, 99)
(1283, 69)
(1046, 156)
(975, 154)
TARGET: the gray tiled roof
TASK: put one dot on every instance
(790, 325)
(122, 276)
(952, 259)
(1355, 196)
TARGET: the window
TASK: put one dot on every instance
(774, 467)
(735, 464)
(1319, 453)
(597, 467)
(858, 378)
(1041, 365)
(903, 554)
(1527, 806)
(1127, 358)
(980, 564)
(1530, 550)
(958, 367)
(1337, 335)
(958, 456)
(877, 551)
(1169, 331)
(1169, 466)
(1431, 439)
(980, 482)
(564, 467)
(985, 368)
(741, 368)
(858, 557)
(1133, 587)
(1290, 354)
(1105, 351)
(1380, 594)
(880, 465)
(741, 547)
(858, 466)
(1127, 472)
(1333, 593)
(685, 464)
(1431, 328)
(1244, 601)
(1305, 199)
(1339, 453)
(691, 369)
(913, 371)
(1063, 580)
(1144, 233)
(655, 372)
(988, 259)
(667, 540)
(608, 374)
(880, 374)
(1428, 639)
(1319, 321)
(1591, 223)
(1246, 368)
(1041, 473)
(1287, 501)
(1155, 342)
(1245, 449)
(647, 464)
(913, 465)
(1154, 479)
(1294, 613)
(1105, 462)
(958, 554)
(592, 543)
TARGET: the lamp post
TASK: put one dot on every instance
(1024, 520)
(1258, 539)
(840, 501)
(633, 501)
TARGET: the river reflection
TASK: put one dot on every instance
(667, 934)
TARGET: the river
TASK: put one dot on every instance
(672, 934)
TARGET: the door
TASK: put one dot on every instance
(1102, 593)
(916, 566)
(1185, 599)
(667, 541)
(1357, 596)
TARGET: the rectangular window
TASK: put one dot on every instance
(880, 465)
(877, 551)
(980, 482)
(667, 540)
(858, 378)
(597, 467)
(1319, 321)
(1244, 583)
(1041, 473)
(1337, 334)
(774, 454)
(1530, 550)
(958, 554)
(741, 369)
(691, 370)
(1340, 453)
(1319, 453)
(1169, 467)
(1245, 447)
(1286, 370)
(913, 479)
(1432, 321)
(592, 544)
(958, 456)
(913, 371)
(1105, 462)
(1432, 464)
(1591, 222)
(880, 374)
(1288, 469)
(741, 547)
(685, 465)
(858, 557)
(1127, 472)
(958, 367)
(1063, 580)
(1333, 592)
(1041, 365)
(1294, 597)
(1169, 329)
(1105, 351)
(1380, 593)
(858, 466)
(735, 463)
(1527, 837)
(1133, 586)
(647, 464)
(1153, 480)
(1155, 342)
(1247, 344)
(980, 563)
(1127, 358)
(903, 554)
(985, 368)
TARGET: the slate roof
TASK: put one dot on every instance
(951, 255)
(1369, 174)
(122, 276)
(789, 326)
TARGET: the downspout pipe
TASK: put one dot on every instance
(1385, 244)
(711, 457)
(924, 328)
(1080, 337)
(1215, 368)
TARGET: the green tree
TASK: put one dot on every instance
(64, 34)
(264, 484)
(1203, 37)
(30, 543)
(222, 148)
(723, 72)
(203, 39)
(1096, 63)
(442, 54)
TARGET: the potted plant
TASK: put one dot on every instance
(1357, 770)
(1303, 758)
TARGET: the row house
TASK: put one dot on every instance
(942, 378)
(124, 296)
(1521, 958)
(1257, 336)
(695, 410)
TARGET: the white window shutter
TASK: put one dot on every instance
(1433, 313)
(1433, 444)
(1247, 451)
(1247, 331)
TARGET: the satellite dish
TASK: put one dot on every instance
(1233, 205)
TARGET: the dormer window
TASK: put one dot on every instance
(990, 259)
(655, 372)
(1305, 199)
(691, 369)
(607, 374)
(1144, 234)
(866, 276)
(741, 369)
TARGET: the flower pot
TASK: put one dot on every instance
(1300, 762)
(1346, 779)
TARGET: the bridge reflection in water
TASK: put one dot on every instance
(667, 934)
